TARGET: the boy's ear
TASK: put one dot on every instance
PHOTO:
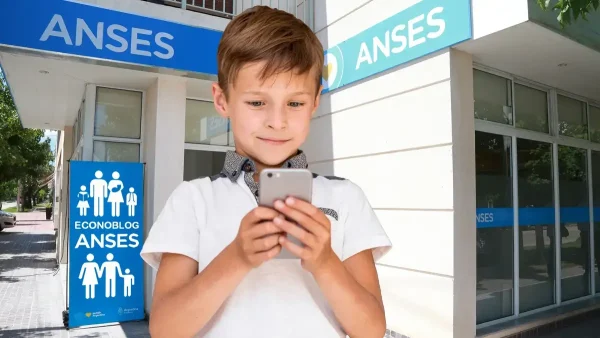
(219, 100)
(317, 100)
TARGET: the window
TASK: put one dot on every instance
(536, 225)
(594, 124)
(574, 222)
(199, 163)
(116, 152)
(493, 98)
(572, 117)
(531, 108)
(203, 125)
(494, 227)
(554, 245)
(118, 113)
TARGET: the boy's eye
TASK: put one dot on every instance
(255, 103)
(296, 104)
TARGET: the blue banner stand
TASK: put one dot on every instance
(105, 278)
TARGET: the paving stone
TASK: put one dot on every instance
(30, 287)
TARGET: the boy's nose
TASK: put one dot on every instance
(276, 119)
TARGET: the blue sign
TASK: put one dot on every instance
(106, 272)
(85, 30)
(424, 28)
(503, 217)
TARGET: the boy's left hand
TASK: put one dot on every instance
(314, 233)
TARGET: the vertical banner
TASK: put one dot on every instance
(106, 277)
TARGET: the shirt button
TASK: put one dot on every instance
(289, 164)
(234, 173)
(247, 167)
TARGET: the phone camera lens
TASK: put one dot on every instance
(269, 175)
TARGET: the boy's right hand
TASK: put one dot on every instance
(257, 240)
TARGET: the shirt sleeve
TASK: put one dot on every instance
(362, 230)
(177, 228)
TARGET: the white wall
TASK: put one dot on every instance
(401, 136)
(493, 16)
(163, 152)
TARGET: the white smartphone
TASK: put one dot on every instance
(278, 184)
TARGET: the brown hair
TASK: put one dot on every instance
(273, 36)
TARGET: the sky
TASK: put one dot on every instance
(52, 135)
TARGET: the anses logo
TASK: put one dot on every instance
(333, 69)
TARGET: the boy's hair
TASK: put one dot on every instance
(273, 36)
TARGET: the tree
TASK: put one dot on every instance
(570, 10)
(24, 153)
(8, 191)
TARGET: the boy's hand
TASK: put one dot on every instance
(258, 237)
(316, 235)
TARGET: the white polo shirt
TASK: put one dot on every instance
(279, 298)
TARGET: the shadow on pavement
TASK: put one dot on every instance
(31, 333)
(25, 251)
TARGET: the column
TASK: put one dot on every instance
(67, 151)
(163, 150)
(463, 163)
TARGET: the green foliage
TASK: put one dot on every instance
(570, 10)
(42, 195)
(24, 157)
(8, 191)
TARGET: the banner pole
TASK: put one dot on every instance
(65, 313)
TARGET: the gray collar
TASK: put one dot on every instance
(235, 164)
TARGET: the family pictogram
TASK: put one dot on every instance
(102, 191)
(90, 273)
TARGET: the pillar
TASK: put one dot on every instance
(163, 150)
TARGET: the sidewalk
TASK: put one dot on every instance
(31, 291)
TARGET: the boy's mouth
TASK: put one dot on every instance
(273, 141)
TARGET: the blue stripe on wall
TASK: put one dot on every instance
(503, 217)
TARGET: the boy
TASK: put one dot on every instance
(215, 249)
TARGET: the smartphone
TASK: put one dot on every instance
(278, 184)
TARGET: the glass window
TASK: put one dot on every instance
(531, 108)
(199, 164)
(116, 152)
(596, 191)
(574, 223)
(204, 125)
(118, 113)
(572, 117)
(536, 225)
(595, 124)
(494, 227)
(493, 98)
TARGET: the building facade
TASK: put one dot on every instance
(470, 126)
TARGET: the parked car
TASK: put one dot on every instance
(7, 220)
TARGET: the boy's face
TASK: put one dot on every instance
(270, 119)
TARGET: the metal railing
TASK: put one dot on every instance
(302, 9)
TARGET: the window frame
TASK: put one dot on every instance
(92, 124)
(142, 98)
(587, 112)
(556, 140)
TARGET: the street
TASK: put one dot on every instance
(31, 295)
